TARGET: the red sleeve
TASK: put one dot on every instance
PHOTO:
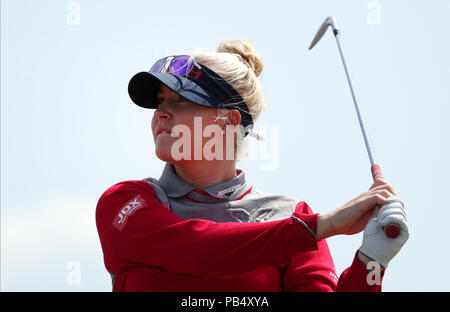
(355, 278)
(135, 229)
(314, 270)
(311, 270)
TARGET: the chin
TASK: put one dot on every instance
(163, 150)
(164, 155)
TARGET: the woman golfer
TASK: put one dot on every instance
(202, 226)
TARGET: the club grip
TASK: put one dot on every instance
(376, 172)
(391, 230)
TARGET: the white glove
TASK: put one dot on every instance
(376, 245)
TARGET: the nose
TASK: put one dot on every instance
(161, 114)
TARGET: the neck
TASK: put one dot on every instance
(201, 174)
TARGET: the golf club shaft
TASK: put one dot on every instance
(376, 170)
(392, 230)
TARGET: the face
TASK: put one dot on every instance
(175, 111)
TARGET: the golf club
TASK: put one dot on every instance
(392, 230)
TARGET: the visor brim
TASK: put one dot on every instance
(144, 86)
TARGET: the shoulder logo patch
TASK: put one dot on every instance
(127, 210)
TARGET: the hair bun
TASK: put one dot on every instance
(245, 52)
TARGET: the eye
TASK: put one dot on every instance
(182, 99)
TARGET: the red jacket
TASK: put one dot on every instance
(148, 248)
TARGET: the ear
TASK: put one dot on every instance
(234, 117)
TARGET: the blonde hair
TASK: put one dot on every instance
(238, 63)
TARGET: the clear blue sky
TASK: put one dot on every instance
(69, 130)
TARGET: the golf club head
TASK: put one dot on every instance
(330, 21)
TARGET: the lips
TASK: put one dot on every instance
(163, 131)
